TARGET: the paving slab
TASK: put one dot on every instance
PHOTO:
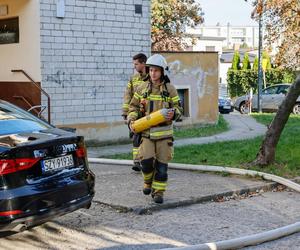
(121, 188)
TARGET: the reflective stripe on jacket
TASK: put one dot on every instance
(151, 98)
(134, 82)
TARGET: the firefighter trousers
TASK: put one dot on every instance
(154, 156)
(136, 141)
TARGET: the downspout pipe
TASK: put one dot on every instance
(236, 243)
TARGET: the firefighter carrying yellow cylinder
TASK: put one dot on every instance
(149, 121)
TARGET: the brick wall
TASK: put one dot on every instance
(86, 56)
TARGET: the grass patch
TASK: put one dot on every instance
(97, 143)
(126, 156)
(239, 153)
(179, 132)
(200, 130)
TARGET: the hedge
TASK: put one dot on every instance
(240, 81)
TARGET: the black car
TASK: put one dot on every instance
(43, 170)
(225, 105)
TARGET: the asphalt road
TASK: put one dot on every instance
(102, 227)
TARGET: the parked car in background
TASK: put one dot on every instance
(271, 99)
(225, 105)
(44, 171)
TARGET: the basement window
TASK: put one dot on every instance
(9, 30)
(184, 98)
(138, 9)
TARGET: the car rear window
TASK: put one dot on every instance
(15, 120)
(14, 126)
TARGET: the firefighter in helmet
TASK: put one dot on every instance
(156, 148)
(139, 62)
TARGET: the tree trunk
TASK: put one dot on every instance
(266, 153)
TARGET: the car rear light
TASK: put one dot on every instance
(8, 166)
(9, 213)
(81, 152)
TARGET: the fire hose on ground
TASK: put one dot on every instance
(236, 243)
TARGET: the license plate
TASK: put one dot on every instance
(57, 163)
(227, 107)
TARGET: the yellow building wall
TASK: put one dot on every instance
(197, 72)
(25, 54)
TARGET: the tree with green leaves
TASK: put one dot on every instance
(246, 62)
(236, 60)
(266, 153)
(169, 19)
(255, 64)
(281, 19)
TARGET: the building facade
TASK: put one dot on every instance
(246, 36)
(80, 52)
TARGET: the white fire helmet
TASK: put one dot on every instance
(159, 61)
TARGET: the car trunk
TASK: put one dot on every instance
(51, 170)
(38, 155)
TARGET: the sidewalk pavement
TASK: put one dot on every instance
(241, 127)
(117, 186)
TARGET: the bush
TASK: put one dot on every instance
(255, 64)
(240, 81)
(236, 61)
(246, 62)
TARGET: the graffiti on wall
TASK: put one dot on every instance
(178, 69)
(195, 75)
(67, 80)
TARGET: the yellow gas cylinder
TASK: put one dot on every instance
(149, 121)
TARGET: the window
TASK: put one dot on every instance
(138, 9)
(283, 89)
(210, 48)
(20, 126)
(9, 30)
(14, 120)
(184, 98)
(270, 91)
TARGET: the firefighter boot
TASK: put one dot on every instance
(147, 170)
(158, 196)
(147, 189)
(136, 166)
(136, 139)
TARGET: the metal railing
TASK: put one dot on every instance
(27, 102)
(42, 91)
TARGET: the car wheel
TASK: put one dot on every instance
(244, 108)
(296, 109)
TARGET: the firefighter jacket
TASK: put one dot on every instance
(149, 98)
(131, 87)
